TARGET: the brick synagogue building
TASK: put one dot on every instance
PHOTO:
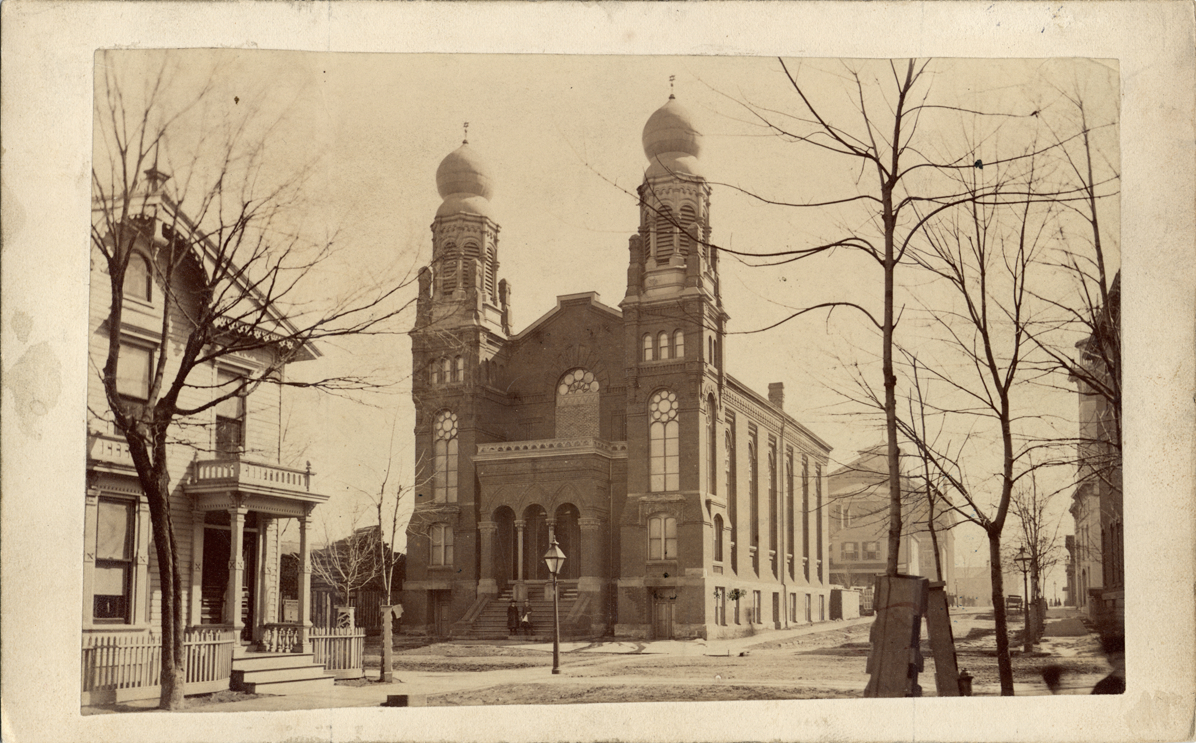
(687, 505)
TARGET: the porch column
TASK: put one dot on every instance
(487, 583)
(236, 568)
(141, 581)
(197, 533)
(304, 582)
(519, 546)
(90, 516)
(264, 586)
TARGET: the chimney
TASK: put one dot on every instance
(776, 394)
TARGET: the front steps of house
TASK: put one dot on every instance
(275, 673)
(491, 624)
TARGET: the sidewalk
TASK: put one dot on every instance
(429, 683)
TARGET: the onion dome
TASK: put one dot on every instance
(464, 182)
(672, 143)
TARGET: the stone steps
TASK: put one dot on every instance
(279, 673)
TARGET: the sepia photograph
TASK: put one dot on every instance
(448, 379)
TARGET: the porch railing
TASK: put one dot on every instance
(119, 667)
(339, 650)
(238, 471)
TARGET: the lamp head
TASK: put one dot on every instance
(554, 558)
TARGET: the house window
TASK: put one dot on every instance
(230, 415)
(821, 608)
(662, 538)
(662, 345)
(718, 538)
(720, 606)
(446, 369)
(710, 350)
(459, 369)
(139, 282)
(776, 608)
(647, 348)
(793, 607)
(134, 370)
(442, 545)
(436, 377)
(809, 612)
(757, 617)
(444, 449)
(871, 550)
(678, 344)
(850, 550)
(112, 583)
(662, 432)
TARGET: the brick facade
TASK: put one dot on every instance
(608, 430)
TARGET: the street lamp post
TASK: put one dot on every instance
(555, 558)
(1023, 561)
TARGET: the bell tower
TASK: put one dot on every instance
(462, 321)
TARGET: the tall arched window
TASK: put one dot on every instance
(711, 444)
(718, 538)
(753, 494)
(662, 433)
(435, 376)
(446, 369)
(662, 345)
(139, 284)
(710, 350)
(648, 347)
(459, 369)
(664, 234)
(689, 220)
(448, 278)
(772, 496)
(441, 537)
(662, 538)
(444, 449)
(577, 411)
(678, 344)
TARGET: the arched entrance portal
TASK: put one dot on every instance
(535, 542)
(506, 565)
(568, 537)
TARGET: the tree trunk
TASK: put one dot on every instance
(891, 388)
(1004, 665)
(174, 672)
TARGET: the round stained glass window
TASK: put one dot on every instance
(663, 406)
(446, 425)
(578, 381)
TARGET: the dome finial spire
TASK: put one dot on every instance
(671, 79)
(465, 140)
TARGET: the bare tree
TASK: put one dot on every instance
(350, 563)
(224, 244)
(988, 255)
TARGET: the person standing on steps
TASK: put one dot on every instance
(512, 618)
(525, 619)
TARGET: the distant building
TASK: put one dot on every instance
(1096, 507)
(859, 524)
(687, 505)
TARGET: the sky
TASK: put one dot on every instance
(562, 137)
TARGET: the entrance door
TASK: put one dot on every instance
(441, 602)
(662, 616)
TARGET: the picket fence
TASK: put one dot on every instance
(340, 650)
(119, 668)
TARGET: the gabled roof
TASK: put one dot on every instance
(206, 254)
(568, 299)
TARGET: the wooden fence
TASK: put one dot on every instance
(339, 650)
(119, 668)
(368, 604)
